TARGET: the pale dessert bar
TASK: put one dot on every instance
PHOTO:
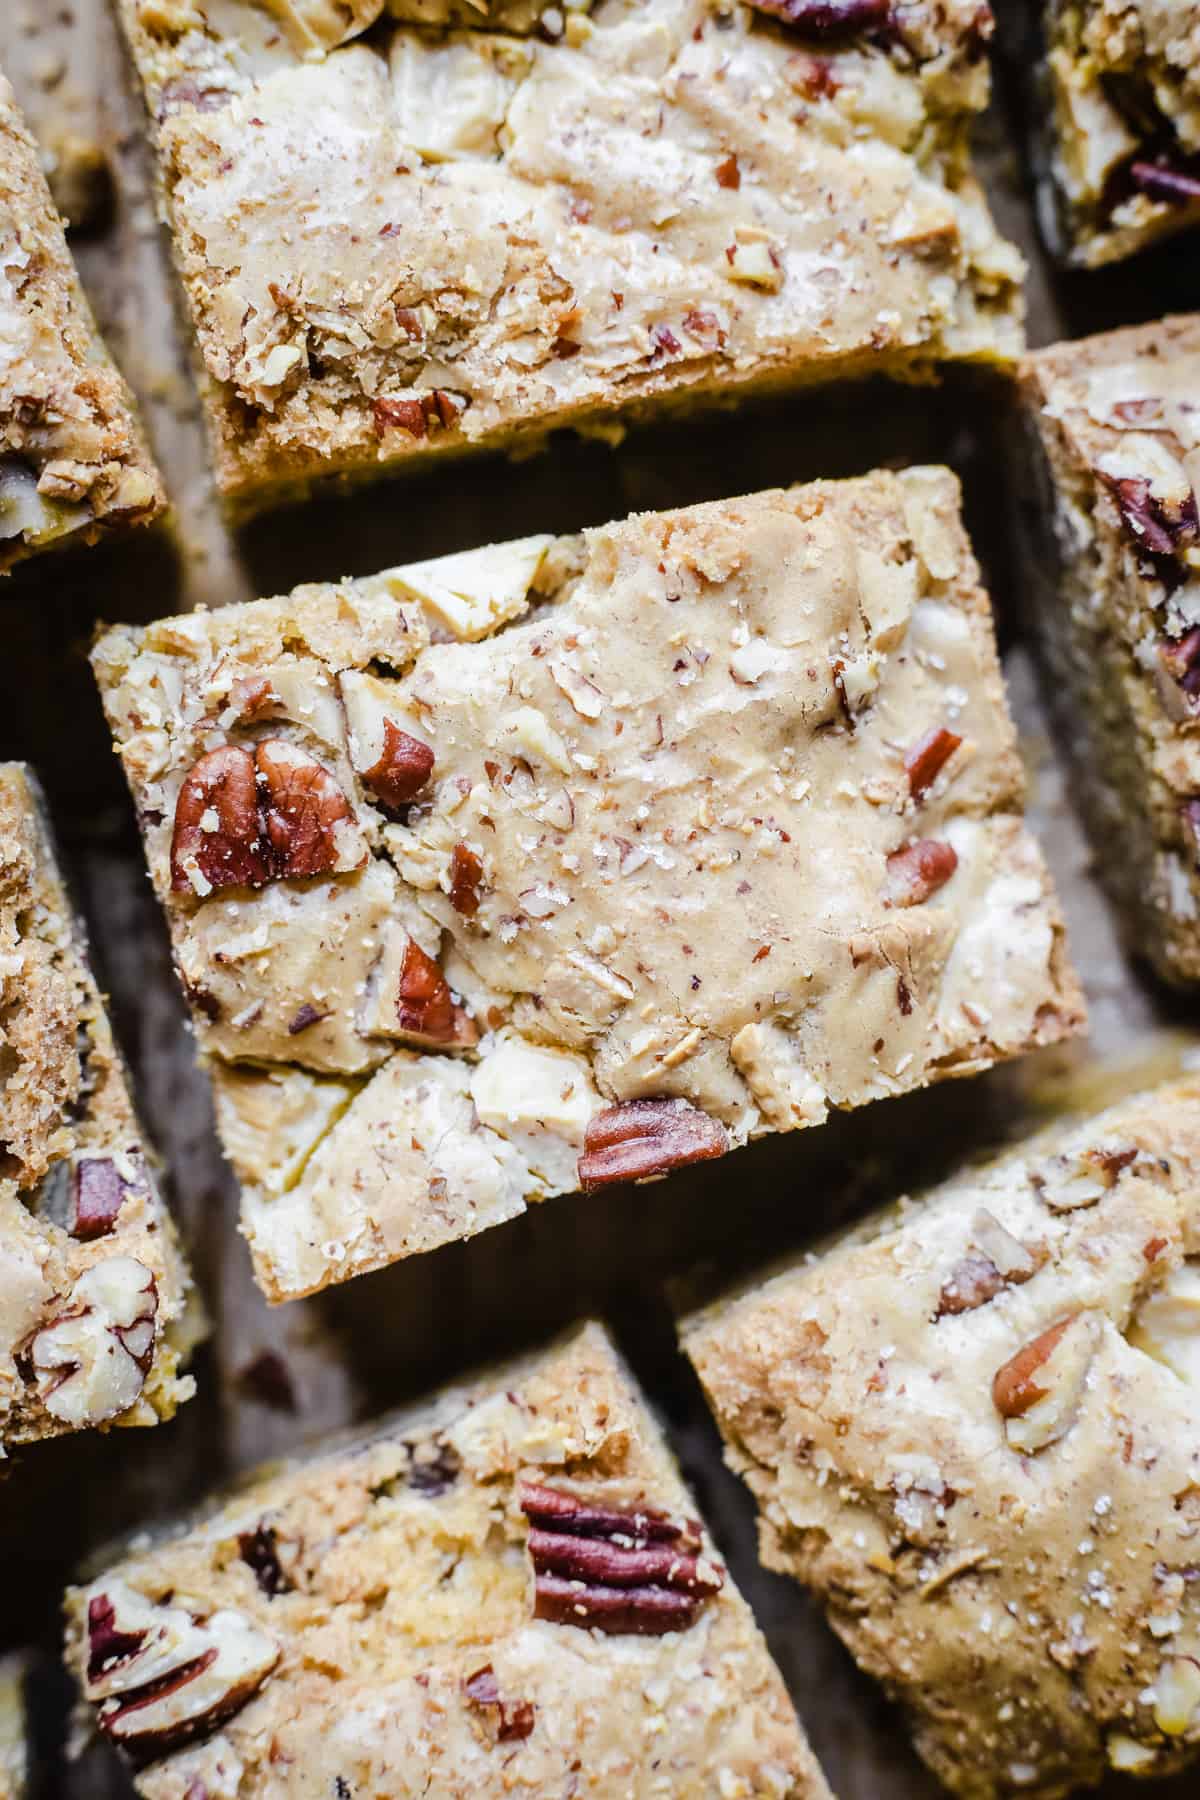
(95, 1317)
(73, 462)
(14, 1734)
(410, 227)
(1111, 457)
(576, 860)
(973, 1430)
(500, 1591)
(1122, 138)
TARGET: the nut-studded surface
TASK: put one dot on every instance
(998, 1501)
(397, 242)
(72, 458)
(94, 1295)
(655, 859)
(1114, 451)
(1122, 92)
(382, 1610)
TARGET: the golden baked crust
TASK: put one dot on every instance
(72, 459)
(380, 1610)
(1113, 453)
(1123, 93)
(716, 824)
(398, 241)
(85, 1230)
(974, 1429)
(14, 1741)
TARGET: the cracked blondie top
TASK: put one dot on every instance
(570, 861)
(72, 458)
(502, 1590)
(94, 1295)
(974, 1430)
(1123, 92)
(426, 225)
(1113, 424)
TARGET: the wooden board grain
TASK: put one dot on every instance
(358, 1350)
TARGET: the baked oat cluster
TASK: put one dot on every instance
(501, 1591)
(95, 1318)
(577, 860)
(72, 459)
(973, 1429)
(414, 226)
(1112, 449)
(1122, 84)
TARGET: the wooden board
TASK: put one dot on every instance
(355, 1351)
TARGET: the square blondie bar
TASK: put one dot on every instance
(502, 1590)
(1122, 149)
(73, 462)
(1112, 451)
(576, 860)
(973, 1429)
(414, 227)
(14, 1735)
(94, 1295)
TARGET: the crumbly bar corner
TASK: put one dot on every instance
(73, 461)
(97, 1312)
(973, 1429)
(1122, 129)
(504, 1589)
(1112, 455)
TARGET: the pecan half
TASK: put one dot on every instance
(918, 870)
(425, 1007)
(160, 1677)
(100, 1189)
(243, 819)
(633, 1570)
(829, 21)
(404, 766)
(927, 758)
(466, 873)
(91, 1360)
(511, 1720)
(641, 1138)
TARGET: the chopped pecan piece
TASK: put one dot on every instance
(259, 1550)
(513, 1720)
(640, 1138)
(1038, 1392)
(994, 1260)
(918, 871)
(1160, 181)
(972, 1282)
(400, 415)
(404, 767)
(244, 819)
(621, 1570)
(90, 1360)
(100, 1190)
(1179, 663)
(829, 21)
(425, 1006)
(1159, 528)
(927, 758)
(1015, 1387)
(728, 173)
(466, 873)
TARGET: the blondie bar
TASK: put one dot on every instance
(570, 861)
(1113, 551)
(73, 462)
(1122, 157)
(418, 226)
(94, 1295)
(502, 1590)
(974, 1431)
